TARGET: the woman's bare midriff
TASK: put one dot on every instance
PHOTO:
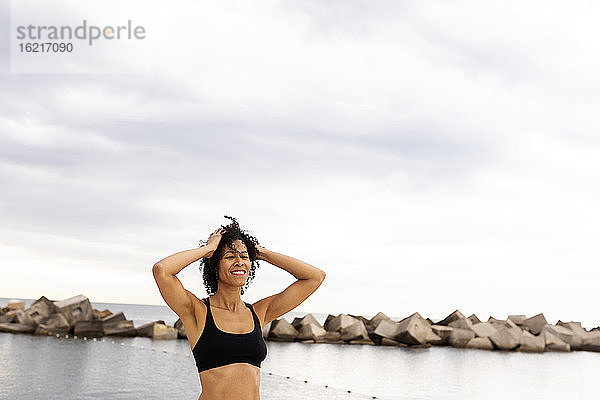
(239, 381)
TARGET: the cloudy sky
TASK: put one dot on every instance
(428, 156)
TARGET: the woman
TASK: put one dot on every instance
(225, 333)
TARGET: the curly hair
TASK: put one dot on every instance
(210, 265)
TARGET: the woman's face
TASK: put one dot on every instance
(234, 264)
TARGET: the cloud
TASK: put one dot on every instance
(434, 153)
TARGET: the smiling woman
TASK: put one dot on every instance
(225, 333)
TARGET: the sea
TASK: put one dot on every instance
(53, 368)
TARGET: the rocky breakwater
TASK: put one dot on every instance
(515, 333)
(75, 316)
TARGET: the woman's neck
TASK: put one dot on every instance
(227, 298)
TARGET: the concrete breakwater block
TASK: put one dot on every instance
(6, 319)
(122, 328)
(11, 316)
(531, 343)
(554, 343)
(164, 332)
(181, 334)
(56, 323)
(473, 318)
(312, 331)
(364, 320)
(517, 319)
(9, 313)
(462, 323)
(309, 329)
(76, 308)
(334, 338)
(351, 328)
(355, 331)
(506, 338)
(386, 328)
(338, 323)
(501, 323)
(482, 343)
(38, 312)
(282, 330)
(566, 335)
(391, 342)
(434, 339)
(12, 305)
(308, 319)
(443, 332)
(377, 318)
(101, 314)
(575, 327)
(90, 328)
(361, 341)
(413, 330)
(535, 324)
(15, 327)
(157, 330)
(147, 330)
(591, 341)
(451, 318)
(114, 318)
(118, 325)
(327, 321)
(483, 329)
(460, 337)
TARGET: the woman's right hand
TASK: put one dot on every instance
(213, 241)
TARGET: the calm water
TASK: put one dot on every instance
(33, 367)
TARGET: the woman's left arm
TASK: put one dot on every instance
(309, 280)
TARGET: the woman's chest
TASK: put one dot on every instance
(241, 322)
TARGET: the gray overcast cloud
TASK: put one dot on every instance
(428, 156)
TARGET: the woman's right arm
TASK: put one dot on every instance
(176, 296)
(170, 287)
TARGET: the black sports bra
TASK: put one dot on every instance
(216, 348)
